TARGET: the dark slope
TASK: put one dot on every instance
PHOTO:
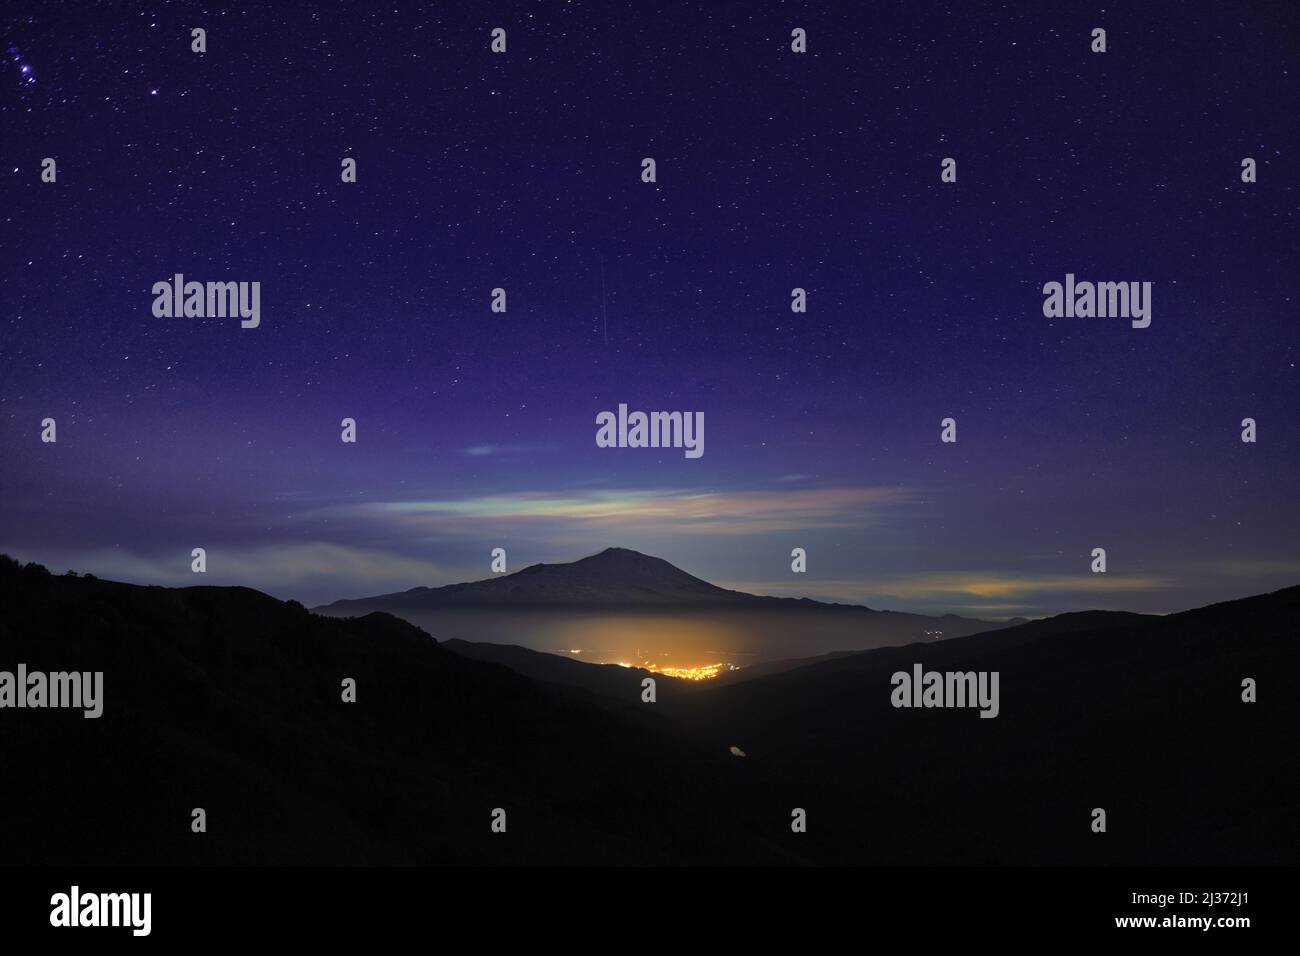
(1141, 716)
(1011, 636)
(624, 683)
(226, 699)
(606, 680)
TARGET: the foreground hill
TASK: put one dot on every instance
(229, 700)
(1140, 716)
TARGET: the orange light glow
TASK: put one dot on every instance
(703, 672)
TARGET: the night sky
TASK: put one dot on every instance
(775, 170)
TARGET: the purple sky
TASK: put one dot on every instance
(775, 170)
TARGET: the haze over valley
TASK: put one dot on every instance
(624, 607)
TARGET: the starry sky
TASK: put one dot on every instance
(775, 170)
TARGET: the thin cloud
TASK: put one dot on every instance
(280, 569)
(687, 512)
(956, 590)
(483, 451)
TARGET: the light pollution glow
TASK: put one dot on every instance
(697, 672)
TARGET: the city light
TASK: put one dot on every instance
(702, 672)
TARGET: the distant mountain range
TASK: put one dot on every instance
(614, 578)
(621, 580)
(227, 699)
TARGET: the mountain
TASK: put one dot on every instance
(229, 700)
(1139, 715)
(621, 581)
(614, 578)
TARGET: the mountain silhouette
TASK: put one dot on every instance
(616, 577)
(1141, 715)
(229, 700)
(625, 581)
